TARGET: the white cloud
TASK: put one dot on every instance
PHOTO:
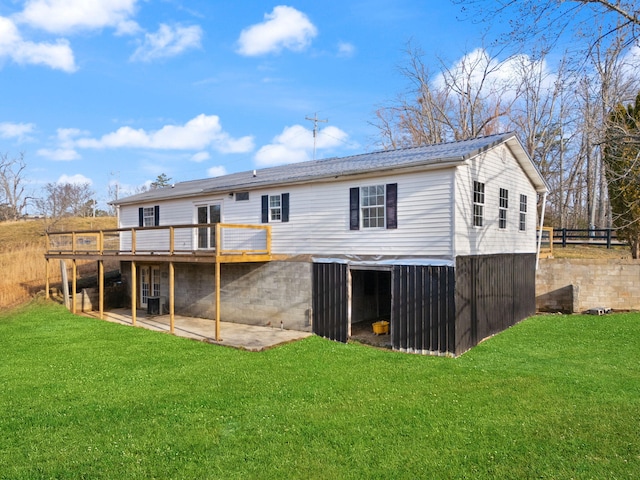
(295, 144)
(167, 42)
(66, 16)
(77, 179)
(203, 131)
(59, 154)
(630, 63)
(217, 171)
(56, 55)
(346, 50)
(200, 157)
(479, 69)
(284, 27)
(66, 149)
(128, 27)
(15, 130)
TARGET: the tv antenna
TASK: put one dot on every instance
(315, 121)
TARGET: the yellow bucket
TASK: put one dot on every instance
(381, 327)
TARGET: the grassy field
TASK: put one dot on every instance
(553, 397)
(22, 248)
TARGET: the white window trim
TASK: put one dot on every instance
(479, 204)
(522, 218)
(275, 212)
(207, 204)
(383, 206)
(148, 216)
(503, 209)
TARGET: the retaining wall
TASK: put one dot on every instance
(576, 285)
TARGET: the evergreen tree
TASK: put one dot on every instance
(622, 167)
(161, 181)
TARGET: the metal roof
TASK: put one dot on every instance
(428, 156)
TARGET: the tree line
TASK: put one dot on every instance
(573, 112)
(54, 200)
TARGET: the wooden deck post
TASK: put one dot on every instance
(65, 284)
(74, 281)
(171, 296)
(46, 281)
(218, 252)
(134, 293)
(101, 288)
(217, 299)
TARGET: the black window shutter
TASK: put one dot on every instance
(354, 208)
(285, 207)
(265, 208)
(140, 217)
(392, 205)
(156, 215)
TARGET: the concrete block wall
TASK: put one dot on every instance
(272, 293)
(576, 285)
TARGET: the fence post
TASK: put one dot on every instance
(608, 238)
(564, 238)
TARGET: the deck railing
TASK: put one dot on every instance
(201, 239)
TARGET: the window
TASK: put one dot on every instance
(372, 206)
(275, 208)
(523, 212)
(242, 196)
(375, 206)
(478, 203)
(504, 205)
(207, 214)
(149, 216)
(149, 284)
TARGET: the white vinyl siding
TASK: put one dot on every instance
(424, 217)
(497, 169)
(429, 204)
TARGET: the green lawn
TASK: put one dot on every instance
(553, 397)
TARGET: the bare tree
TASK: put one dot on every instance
(545, 22)
(462, 101)
(66, 199)
(13, 199)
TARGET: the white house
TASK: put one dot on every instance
(438, 239)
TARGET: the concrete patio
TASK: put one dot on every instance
(237, 335)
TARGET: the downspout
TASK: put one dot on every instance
(544, 203)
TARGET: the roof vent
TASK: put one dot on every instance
(255, 173)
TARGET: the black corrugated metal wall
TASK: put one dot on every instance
(436, 309)
(423, 309)
(330, 301)
(493, 292)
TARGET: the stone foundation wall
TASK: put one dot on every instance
(576, 285)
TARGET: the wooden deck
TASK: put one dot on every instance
(224, 243)
(193, 243)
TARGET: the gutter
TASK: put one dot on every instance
(544, 203)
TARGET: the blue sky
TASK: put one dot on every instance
(124, 90)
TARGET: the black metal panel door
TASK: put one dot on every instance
(330, 301)
(423, 309)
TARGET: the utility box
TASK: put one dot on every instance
(153, 306)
